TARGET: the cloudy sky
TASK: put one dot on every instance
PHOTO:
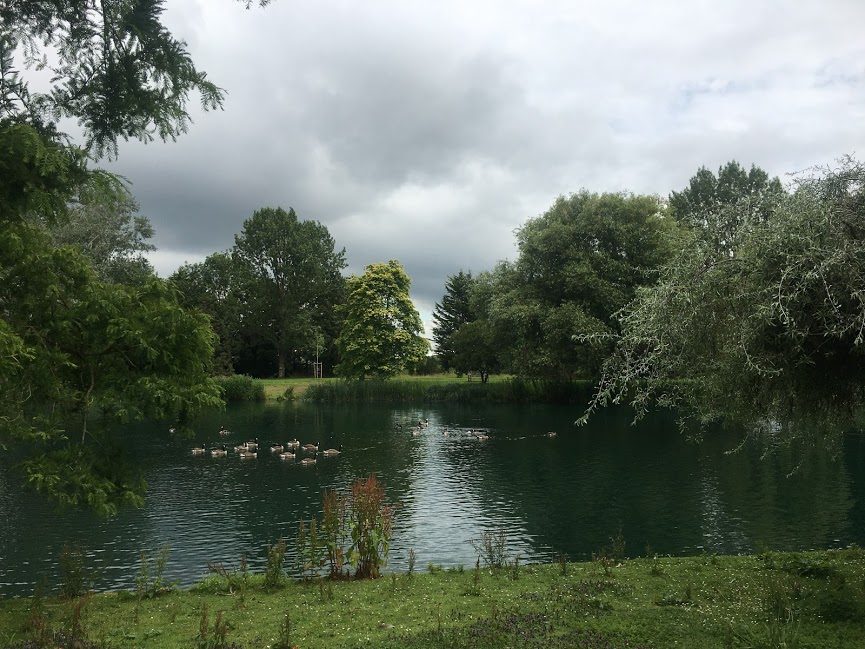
(427, 131)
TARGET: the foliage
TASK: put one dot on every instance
(475, 349)
(355, 529)
(381, 330)
(76, 579)
(73, 346)
(114, 67)
(149, 585)
(768, 333)
(450, 314)
(702, 203)
(491, 547)
(212, 287)
(289, 274)
(239, 387)
(105, 226)
(579, 263)
(274, 576)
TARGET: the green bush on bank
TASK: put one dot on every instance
(240, 387)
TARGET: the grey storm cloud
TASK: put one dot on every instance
(428, 132)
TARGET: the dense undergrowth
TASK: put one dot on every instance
(793, 600)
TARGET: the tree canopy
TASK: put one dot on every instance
(578, 264)
(771, 335)
(381, 330)
(290, 274)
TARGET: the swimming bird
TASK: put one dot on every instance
(307, 461)
(552, 434)
(482, 437)
(248, 456)
(292, 444)
(223, 432)
(310, 447)
(287, 456)
(218, 452)
(241, 449)
(276, 448)
(252, 446)
(332, 452)
(199, 450)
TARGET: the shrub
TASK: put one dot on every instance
(241, 388)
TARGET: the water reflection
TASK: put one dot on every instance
(565, 494)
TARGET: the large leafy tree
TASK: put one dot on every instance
(579, 263)
(292, 281)
(450, 314)
(771, 335)
(71, 344)
(381, 330)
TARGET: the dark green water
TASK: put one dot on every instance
(567, 494)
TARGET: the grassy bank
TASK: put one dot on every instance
(806, 600)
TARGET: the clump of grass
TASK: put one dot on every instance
(147, 587)
(412, 558)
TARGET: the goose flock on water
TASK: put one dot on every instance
(289, 451)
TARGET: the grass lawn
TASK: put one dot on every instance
(808, 600)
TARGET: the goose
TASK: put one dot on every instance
(482, 437)
(199, 450)
(276, 448)
(307, 461)
(292, 444)
(218, 452)
(241, 449)
(310, 447)
(332, 452)
(172, 430)
(223, 432)
(286, 456)
(248, 456)
(252, 446)
(552, 434)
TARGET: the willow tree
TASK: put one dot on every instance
(770, 333)
(381, 329)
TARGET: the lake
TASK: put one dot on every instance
(567, 494)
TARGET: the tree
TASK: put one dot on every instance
(702, 203)
(70, 343)
(74, 346)
(579, 263)
(293, 282)
(475, 349)
(212, 287)
(381, 330)
(771, 336)
(105, 226)
(450, 314)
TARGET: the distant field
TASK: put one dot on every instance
(274, 388)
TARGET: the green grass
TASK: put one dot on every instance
(806, 600)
